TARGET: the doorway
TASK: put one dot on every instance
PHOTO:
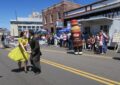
(52, 30)
(87, 30)
(104, 28)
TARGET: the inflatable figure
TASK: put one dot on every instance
(76, 37)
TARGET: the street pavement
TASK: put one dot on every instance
(61, 67)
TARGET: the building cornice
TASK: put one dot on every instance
(112, 6)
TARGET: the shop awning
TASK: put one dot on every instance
(97, 19)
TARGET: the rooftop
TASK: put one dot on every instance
(96, 2)
(58, 4)
(34, 17)
(28, 19)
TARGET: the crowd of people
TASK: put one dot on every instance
(60, 41)
(96, 43)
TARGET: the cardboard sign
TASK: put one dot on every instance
(116, 37)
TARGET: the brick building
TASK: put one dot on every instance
(53, 17)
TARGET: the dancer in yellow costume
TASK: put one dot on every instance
(19, 54)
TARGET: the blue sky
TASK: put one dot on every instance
(25, 7)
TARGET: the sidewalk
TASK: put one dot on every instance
(110, 53)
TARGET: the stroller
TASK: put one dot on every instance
(96, 48)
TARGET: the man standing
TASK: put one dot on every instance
(35, 52)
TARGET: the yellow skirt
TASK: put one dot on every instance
(17, 55)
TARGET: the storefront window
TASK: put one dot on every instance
(119, 13)
(58, 15)
(37, 27)
(51, 18)
(104, 28)
(24, 26)
(19, 26)
(45, 20)
(29, 26)
(87, 30)
(19, 29)
(33, 26)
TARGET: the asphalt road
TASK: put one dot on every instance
(62, 68)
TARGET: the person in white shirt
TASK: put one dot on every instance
(61, 40)
(55, 40)
(64, 40)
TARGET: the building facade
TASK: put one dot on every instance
(53, 17)
(33, 22)
(2, 31)
(101, 15)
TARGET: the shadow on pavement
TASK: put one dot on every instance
(17, 70)
(116, 58)
(70, 52)
(1, 76)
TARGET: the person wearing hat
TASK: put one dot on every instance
(35, 52)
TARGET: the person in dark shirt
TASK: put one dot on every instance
(35, 52)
